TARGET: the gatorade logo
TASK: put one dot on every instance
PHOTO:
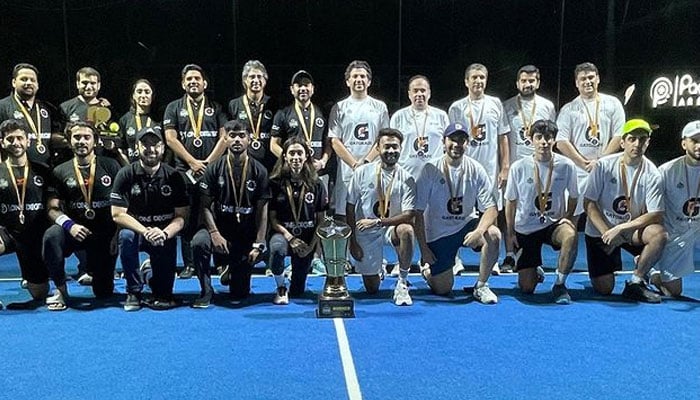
(361, 131)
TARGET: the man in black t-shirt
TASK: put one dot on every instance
(24, 187)
(194, 132)
(150, 204)
(234, 194)
(82, 216)
(256, 109)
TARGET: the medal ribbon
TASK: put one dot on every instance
(526, 123)
(35, 127)
(22, 196)
(542, 196)
(446, 171)
(256, 128)
(196, 125)
(296, 210)
(691, 203)
(629, 191)
(86, 190)
(421, 133)
(384, 196)
(137, 118)
(237, 192)
(472, 126)
(307, 131)
(593, 124)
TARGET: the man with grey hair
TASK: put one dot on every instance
(256, 109)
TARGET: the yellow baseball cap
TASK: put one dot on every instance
(637, 127)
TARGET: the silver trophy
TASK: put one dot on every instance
(335, 301)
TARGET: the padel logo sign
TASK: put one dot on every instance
(675, 92)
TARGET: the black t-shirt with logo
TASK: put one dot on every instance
(217, 184)
(314, 200)
(9, 109)
(74, 205)
(128, 127)
(237, 111)
(177, 117)
(38, 190)
(286, 124)
(150, 199)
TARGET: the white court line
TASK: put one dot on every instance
(351, 382)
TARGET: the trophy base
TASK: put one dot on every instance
(335, 308)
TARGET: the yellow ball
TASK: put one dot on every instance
(114, 127)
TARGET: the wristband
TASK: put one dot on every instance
(166, 235)
(61, 219)
(67, 225)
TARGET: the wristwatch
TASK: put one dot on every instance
(261, 247)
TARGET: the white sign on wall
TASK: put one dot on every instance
(678, 91)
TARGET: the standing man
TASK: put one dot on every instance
(353, 126)
(590, 126)
(304, 120)
(150, 205)
(538, 212)
(235, 194)
(380, 209)
(681, 193)
(23, 105)
(448, 191)
(24, 188)
(488, 142)
(422, 126)
(256, 109)
(523, 109)
(623, 201)
(80, 211)
(194, 132)
(519, 113)
(88, 82)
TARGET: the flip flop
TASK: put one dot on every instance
(56, 302)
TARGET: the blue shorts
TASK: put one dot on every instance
(445, 249)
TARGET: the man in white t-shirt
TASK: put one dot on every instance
(538, 212)
(353, 126)
(380, 209)
(623, 201)
(422, 126)
(590, 125)
(519, 113)
(448, 191)
(681, 192)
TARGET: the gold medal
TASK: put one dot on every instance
(238, 217)
(256, 144)
(90, 214)
(197, 142)
(296, 231)
(25, 181)
(543, 196)
(21, 217)
(594, 130)
(384, 196)
(237, 191)
(40, 148)
(255, 127)
(86, 188)
(196, 124)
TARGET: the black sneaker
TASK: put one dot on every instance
(162, 304)
(133, 302)
(508, 265)
(640, 292)
(203, 301)
(560, 294)
(187, 273)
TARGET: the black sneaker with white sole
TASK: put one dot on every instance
(640, 292)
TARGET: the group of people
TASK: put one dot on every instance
(250, 182)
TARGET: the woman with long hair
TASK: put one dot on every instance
(298, 205)
(139, 116)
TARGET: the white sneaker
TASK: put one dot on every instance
(485, 295)
(281, 296)
(540, 274)
(401, 295)
(85, 280)
(458, 267)
(495, 270)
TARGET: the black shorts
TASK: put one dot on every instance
(604, 260)
(531, 246)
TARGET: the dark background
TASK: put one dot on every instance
(632, 42)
